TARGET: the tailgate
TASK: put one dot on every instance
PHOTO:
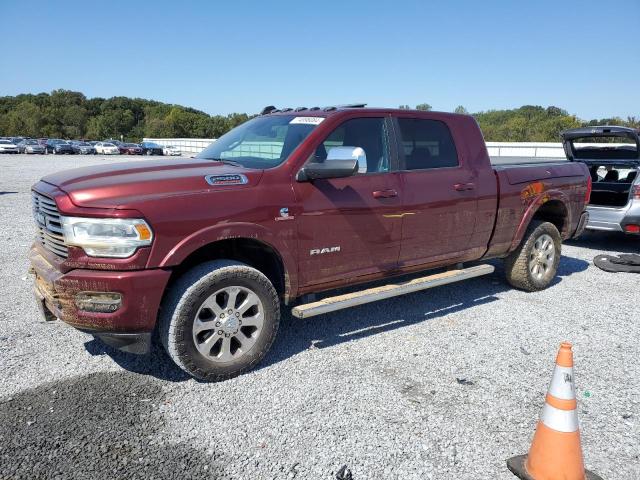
(602, 144)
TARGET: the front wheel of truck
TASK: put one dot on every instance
(219, 320)
(533, 265)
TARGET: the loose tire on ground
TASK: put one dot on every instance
(217, 292)
(533, 265)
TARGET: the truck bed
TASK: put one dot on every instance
(504, 161)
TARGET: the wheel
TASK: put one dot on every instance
(149, 152)
(53, 151)
(533, 265)
(219, 320)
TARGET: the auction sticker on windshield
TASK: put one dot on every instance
(307, 120)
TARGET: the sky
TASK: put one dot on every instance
(239, 56)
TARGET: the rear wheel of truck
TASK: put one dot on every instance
(219, 320)
(533, 265)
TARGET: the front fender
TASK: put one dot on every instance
(285, 247)
(538, 201)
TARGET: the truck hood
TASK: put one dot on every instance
(127, 184)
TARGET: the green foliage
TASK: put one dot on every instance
(460, 109)
(425, 107)
(526, 124)
(67, 114)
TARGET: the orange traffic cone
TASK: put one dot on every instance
(555, 452)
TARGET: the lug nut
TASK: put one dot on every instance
(220, 332)
(217, 324)
(230, 311)
(222, 315)
(237, 314)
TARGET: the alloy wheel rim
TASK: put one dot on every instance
(542, 257)
(228, 324)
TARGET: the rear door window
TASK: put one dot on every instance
(426, 144)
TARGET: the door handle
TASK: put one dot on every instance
(385, 194)
(461, 187)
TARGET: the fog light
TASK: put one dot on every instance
(99, 302)
(632, 228)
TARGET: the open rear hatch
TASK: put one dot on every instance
(613, 157)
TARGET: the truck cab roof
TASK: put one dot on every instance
(331, 110)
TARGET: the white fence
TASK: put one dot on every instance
(525, 149)
(191, 146)
(188, 146)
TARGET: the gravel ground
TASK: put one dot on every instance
(445, 384)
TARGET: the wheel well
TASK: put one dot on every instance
(254, 253)
(553, 211)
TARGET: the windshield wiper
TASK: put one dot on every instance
(227, 162)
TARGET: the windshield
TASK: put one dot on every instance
(264, 142)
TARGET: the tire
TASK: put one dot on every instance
(149, 153)
(533, 265)
(202, 354)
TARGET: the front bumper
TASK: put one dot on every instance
(128, 328)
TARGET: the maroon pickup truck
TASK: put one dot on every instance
(203, 252)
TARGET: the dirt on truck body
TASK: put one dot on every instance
(205, 252)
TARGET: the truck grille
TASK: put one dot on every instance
(49, 228)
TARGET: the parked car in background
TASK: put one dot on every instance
(84, 148)
(106, 148)
(117, 143)
(30, 146)
(57, 146)
(150, 148)
(612, 155)
(130, 149)
(42, 141)
(7, 146)
(171, 150)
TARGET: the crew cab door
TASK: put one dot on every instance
(439, 201)
(347, 227)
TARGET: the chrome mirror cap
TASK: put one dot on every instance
(349, 153)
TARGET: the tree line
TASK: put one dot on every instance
(68, 114)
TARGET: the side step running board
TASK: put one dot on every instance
(331, 304)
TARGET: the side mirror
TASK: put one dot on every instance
(341, 162)
(340, 153)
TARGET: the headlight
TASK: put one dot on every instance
(107, 237)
